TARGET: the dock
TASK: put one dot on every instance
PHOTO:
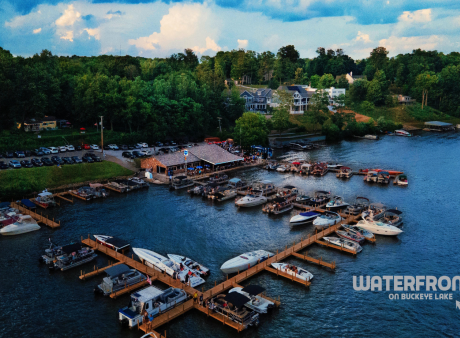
(288, 276)
(38, 217)
(96, 271)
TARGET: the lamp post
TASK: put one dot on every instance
(102, 136)
(220, 128)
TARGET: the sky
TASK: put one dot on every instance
(160, 28)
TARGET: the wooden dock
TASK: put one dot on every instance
(341, 248)
(319, 262)
(62, 194)
(96, 271)
(38, 217)
(128, 289)
(288, 276)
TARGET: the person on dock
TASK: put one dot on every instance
(146, 317)
(195, 297)
(201, 300)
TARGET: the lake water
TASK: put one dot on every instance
(35, 303)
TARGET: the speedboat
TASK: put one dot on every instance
(118, 277)
(379, 228)
(168, 266)
(191, 264)
(401, 180)
(245, 261)
(361, 204)
(257, 303)
(113, 243)
(392, 217)
(327, 219)
(334, 166)
(283, 168)
(21, 225)
(336, 202)
(344, 243)
(225, 195)
(304, 218)
(254, 198)
(302, 199)
(293, 271)
(355, 230)
(391, 172)
(352, 236)
(402, 132)
(374, 211)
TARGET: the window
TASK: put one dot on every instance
(147, 305)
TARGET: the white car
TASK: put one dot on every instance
(94, 147)
(45, 151)
(143, 145)
(70, 147)
(113, 147)
(62, 149)
(146, 152)
(53, 150)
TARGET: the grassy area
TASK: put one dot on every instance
(305, 121)
(27, 180)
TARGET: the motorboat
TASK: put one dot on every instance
(84, 192)
(361, 204)
(256, 303)
(232, 308)
(379, 228)
(198, 190)
(391, 172)
(181, 182)
(237, 183)
(402, 132)
(279, 205)
(304, 218)
(20, 224)
(225, 195)
(118, 186)
(352, 236)
(327, 219)
(371, 176)
(374, 211)
(344, 172)
(320, 198)
(355, 230)
(337, 202)
(267, 187)
(334, 166)
(113, 243)
(119, 277)
(245, 261)
(139, 181)
(383, 177)
(212, 189)
(254, 198)
(303, 199)
(306, 168)
(54, 251)
(300, 146)
(401, 180)
(45, 199)
(72, 256)
(152, 300)
(293, 270)
(168, 266)
(198, 268)
(320, 169)
(287, 191)
(343, 243)
(283, 168)
(218, 178)
(392, 217)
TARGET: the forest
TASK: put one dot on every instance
(184, 96)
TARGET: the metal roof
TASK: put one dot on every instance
(214, 154)
(438, 124)
(117, 270)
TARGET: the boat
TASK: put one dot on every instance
(283, 168)
(368, 137)
(299, 146)
(287, 191)
(180, 182)
(118, 278)
(383, 177)
(19, 224)
(354, 229)
(267, 187)
(237, 183)
(337, 202)
(361, 204)
(392, 217)
(254, 198)
(118, 186)
(352, 236)
(45, 199)
(374, 211)
(198, 190)
(344, 243)
(379, 228)
(212, 189)
(320, 198)
(113, 243)
(303, 199)
(306, 168)
(232, 307)
(198, 268)
(151, 300)
(279, 205)
(72, 256)
(293, 271)
(402, 132)
(295, 167)
(320, 169)
(139, 182)
(256, 302)
(225, 195)
(334, 166)
(371, 176)
(218, 178)
(401, 180)
(344, 172)
(391, 172)
(245, 261)
(168, 266)
(304, 218)
(327, 219)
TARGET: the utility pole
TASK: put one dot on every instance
(102, 136)
(220, 128)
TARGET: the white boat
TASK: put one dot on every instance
(337, 202)
(283, 168)
(305, 168)
(371, 176)
(111, 242)
(24, 224)
(344, 243)
(355, 230)
(225, 195)
(379, 228)
(191, 264)
(165, 265)
(254, 198)
(245, 261)
(344, 172)
(401, 132)
(401, 180)
(371, 137)
(304, 218)
(152, 300)
(293, 271)
(257, 303)
(351, 235)
(327, 219)
(334, 166)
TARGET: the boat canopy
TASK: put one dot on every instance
(253, 289)
(309, 213)
(4, 205)
(28, 203)
(117, 270)
(306, 165)
(394, 211)
(402, 177)
(235, 180)
(119, 243)
(68, 249)
(296, 163)
(384, 173)
(256, 191)
(345, 168)
(237, 299)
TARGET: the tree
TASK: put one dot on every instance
(379, 58)
(343, 83)
(340, 101)
(326, 81)
(251, 129)
(426, 81)
(367, 107)
(314, 81)
(331, 131)
(299, 77)
(280, 120)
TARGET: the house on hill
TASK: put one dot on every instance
(259, 100)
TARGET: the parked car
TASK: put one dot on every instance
(86, 147)
(26, 164)
(107, 148)
(128, 154)
(94, 157)
(131, 147)
(3, 165)
(124, 147)
(57, 160)
(53, 150)
(19, 154)
(173, 143)
(67, 160)
(87, 159)
(45, 151)
(37, 162)
(166, 144)
(70, 147)
(47, 162)
(37, 152)
(62, 149)
(15, 164)
(9, 154)
(137, 153)
(78, 148)
(142, 145)
(159, 144)
(94, 147)
(76, 159)
(146, 152)
(28, 153)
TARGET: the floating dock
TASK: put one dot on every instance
(38, 217)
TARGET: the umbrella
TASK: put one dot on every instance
(296, 163)
(190, 168)
(199, 167)
(207, 165)
(236, 299)
(253, 289)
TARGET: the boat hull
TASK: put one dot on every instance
(12, 229)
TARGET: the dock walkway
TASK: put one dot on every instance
(38, 217)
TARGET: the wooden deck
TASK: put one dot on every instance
(128, 289)
(96, 271)
(315, 261)
(38, 217)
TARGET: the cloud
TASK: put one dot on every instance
(210, 45)
(363, 37)
(67, 36)
(95, 32)
(36, 31)
(423, 15)
(407, 44)
(242, 43)
(69, 17)
(111, 14)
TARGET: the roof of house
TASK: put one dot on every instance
(261, 92)
(214, 154)
(176, 158)
(302, 91)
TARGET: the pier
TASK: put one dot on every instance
(38, 217)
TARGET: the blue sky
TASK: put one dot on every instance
(160, 28)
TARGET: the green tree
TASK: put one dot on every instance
(326, 81)
(299, 76)
(251, 129)
(331, 131)
(314, 81)
(426, 81)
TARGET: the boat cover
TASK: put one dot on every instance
(235, 180)
(117, 270)
(253, 289)
(68, 249)
(28, 203)
(236, 299)
(117, 242)
(180, 177)
(4, 205)
(309, 213)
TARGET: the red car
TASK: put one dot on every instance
(86, 146)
